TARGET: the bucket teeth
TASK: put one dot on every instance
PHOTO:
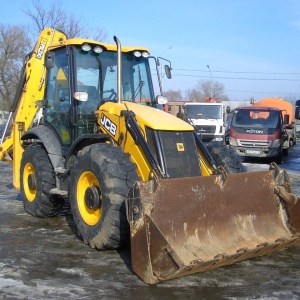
(220, 256)
(242, 250)
(262, 245)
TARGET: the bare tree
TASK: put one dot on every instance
(98, 34)
(205, 89)
(211, 88)
(173, 95)
(194, 95)
(56, 16)
(14, 44)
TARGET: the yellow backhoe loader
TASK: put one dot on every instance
(87, 127)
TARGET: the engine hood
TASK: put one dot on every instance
(151, 117)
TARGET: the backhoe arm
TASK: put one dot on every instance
(30, 91)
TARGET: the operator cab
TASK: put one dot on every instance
(80, 78)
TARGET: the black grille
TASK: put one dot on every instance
(206, 128)
(255, 130)
(179, 153)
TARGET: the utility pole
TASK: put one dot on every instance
(211, 81)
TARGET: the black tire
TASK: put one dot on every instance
(278, 159)
(227, 157)
(100, 180)
(37, 179)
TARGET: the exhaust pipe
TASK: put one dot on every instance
(119, 69)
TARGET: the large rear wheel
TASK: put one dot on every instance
(227, 157)
(100, 180)
(37, 179)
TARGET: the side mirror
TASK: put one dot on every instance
(168, 71)
(297, 103)
(286, 119)
(49, 60)
(297, 112)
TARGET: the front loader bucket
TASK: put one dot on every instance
(188, 225)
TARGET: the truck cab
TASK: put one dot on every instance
(209, 119)
(258, 132)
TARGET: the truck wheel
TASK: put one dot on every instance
(278, 160)
(286, 151)
(100, 180)
(227, 157)
(37, 179)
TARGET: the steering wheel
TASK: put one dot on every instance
(111, 97)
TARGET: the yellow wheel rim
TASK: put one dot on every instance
(30, 192)
(90, 216)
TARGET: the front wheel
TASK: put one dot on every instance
(101, 177)
(227, 157)
(37, 179)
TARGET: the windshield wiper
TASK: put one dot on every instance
(137, 90)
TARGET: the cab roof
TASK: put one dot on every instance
(109, 47)
(257, 108)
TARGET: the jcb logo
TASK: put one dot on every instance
(109, 125)
(41, 49)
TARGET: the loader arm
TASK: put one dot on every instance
(27, 101)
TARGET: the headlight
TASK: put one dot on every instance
(85, 47)
(137, 53)
(218, 139)
(145, 54)
(98, 49)
(81, 96)
(232, 141)
(276, 144)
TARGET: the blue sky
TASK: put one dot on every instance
(251, 46)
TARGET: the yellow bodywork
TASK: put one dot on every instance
(146, 117)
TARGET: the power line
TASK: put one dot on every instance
(254, 92)
(238, 72)
(238, 78)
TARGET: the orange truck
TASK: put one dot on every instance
(266, 129)
(287, 112)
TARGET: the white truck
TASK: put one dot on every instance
(210, 119)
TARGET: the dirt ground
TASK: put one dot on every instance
(45, 259)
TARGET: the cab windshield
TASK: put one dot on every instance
(256, 118)
(97, 75)
(204, 111)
